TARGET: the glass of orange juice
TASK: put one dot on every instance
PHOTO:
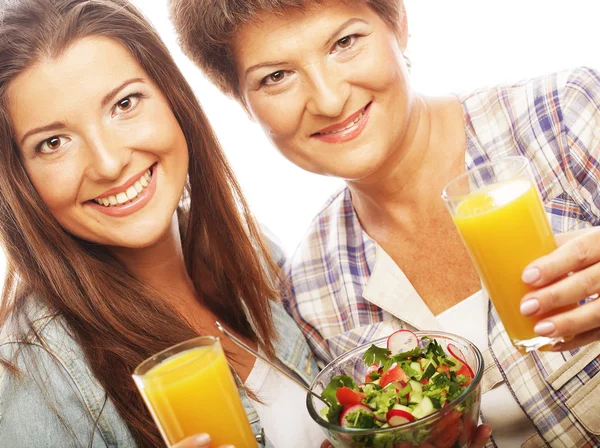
(499, 214)
(189, 389)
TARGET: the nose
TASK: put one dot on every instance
(329, 93)
(107, 156)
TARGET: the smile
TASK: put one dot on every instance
(128, 198)
(132, 192)
(347, 130)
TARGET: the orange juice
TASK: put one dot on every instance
(194, 392)
(505, 228)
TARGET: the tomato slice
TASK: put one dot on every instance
(346, 396)
(394, 373)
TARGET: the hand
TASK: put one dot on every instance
(198, 441)
(482, 436)
(563, 278)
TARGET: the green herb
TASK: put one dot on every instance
(377, 355)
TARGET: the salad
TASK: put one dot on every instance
(407, 381)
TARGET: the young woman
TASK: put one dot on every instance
(329, 83)
(125, 232)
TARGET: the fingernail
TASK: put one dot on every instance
(530, 275)
(202, 439)
(544, 328)
(530, 307)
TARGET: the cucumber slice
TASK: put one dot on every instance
(416, 386)
(423, 408)
(416, 367)
(415, 397)
(402, 408)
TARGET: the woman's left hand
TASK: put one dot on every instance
(562, 279)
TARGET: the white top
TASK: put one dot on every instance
(510, 425)
(283, 414)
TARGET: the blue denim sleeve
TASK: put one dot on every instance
(42, 407)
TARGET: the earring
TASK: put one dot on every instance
(407, 59)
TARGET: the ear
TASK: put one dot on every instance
(403, 27)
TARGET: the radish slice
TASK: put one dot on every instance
(402, 341)
(349, 410)
(456, 353)
(397, 417)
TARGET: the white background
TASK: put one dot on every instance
(455, 46)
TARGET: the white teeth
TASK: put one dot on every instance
(131, 193)
(122, 198)
(349, 125)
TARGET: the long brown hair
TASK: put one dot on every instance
(117, 319)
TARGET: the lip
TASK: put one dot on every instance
(130, 207)
(123, 188)
(347, 134)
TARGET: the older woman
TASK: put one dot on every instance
(125, 233)
(329, 83)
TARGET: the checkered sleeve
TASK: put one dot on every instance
(580, 108)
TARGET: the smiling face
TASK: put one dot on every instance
(100, 144)
(329, 86)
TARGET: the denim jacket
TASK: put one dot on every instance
(57, 400)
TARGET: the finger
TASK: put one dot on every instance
(482, 436)
(579, 340)
(574, 255)
(562, 238)
(578, 320)
(566, 292)
(326, 444)
(197, 441)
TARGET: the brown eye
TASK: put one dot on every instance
(345, 42)
(277, 76)
(124, 105)
(127, 104)
(51, 144)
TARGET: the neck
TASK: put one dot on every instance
(160, 265)
(409, 184)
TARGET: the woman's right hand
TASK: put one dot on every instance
(198, 441)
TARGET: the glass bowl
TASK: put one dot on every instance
(452, 426)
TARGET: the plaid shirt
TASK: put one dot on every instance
(345, 290)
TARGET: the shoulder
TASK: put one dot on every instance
(53, 395)
(545, 97)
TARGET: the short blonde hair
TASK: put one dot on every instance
(206, 29)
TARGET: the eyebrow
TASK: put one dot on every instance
(105, 100)
(346, 24)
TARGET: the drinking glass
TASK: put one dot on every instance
(499, 214)
(189, 389)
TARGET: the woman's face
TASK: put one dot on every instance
(100, 144)
(328, 84)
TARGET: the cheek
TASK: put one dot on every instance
(280, 116)
(56, 184)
